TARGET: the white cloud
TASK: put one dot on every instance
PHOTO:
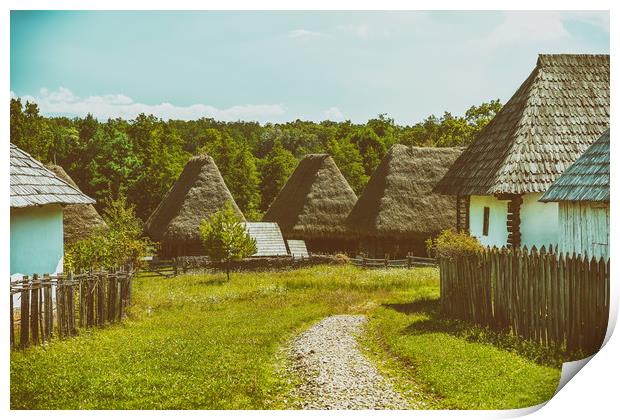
(333, 114)
(64, 102)
(304, 34)
(529, 27)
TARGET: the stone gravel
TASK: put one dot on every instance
(334, 373)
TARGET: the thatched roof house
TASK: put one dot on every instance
(80, 220)
(397, 210)
(559, 110)
(37, 199)
(313, 205)
(199, 192)
(582, 192)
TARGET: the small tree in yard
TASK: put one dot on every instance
(225, 238)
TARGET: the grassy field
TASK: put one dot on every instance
(201, 342)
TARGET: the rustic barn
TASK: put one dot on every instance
(313, 205)
(397, 210)
(556, 114)
(269, 240)
(80, 220)
(199, 192)
(582, 192)
(37, 199)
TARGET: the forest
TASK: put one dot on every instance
(141, 158)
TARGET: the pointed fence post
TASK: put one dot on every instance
(24, 330)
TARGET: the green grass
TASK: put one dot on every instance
(201, 342)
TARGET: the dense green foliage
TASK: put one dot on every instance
(452, 244)
(118, 243)
(143, 157)
(225, 239)
(198, 342)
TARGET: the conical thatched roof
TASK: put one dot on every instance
(199, 192)
(398, 200)
(314, 202)
(556, 114)
(80, 220)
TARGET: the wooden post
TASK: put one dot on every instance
(409, 260)
(24, 332)
(70, 305)
(12, 323)
(387, 260)
(60, 304)
(34, 309)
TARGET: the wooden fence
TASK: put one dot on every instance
(556, 300)
(386, 262)
(59, 305)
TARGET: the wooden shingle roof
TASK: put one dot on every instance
(587, 179)
(34, 185)
(560, 110)
(269, 240)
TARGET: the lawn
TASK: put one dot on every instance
(198, 341)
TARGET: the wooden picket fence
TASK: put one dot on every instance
(409, 262)
(57, 306)
(557, 300)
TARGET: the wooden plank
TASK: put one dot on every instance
(12, 322)
(34, 309)
(24, 324)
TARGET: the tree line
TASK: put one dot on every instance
(141, 158)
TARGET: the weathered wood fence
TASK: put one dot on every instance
(409, 262)
(57, 306)
(556, 300)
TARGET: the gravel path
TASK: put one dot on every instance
(334, 374)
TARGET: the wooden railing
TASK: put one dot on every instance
(409, 262)
(43, 307)
(556, 300)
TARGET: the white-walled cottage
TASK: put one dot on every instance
(556, 114)
(582, 193)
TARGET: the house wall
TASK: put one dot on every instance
(539, 222)
(498, 215)
(584, 228)
(36, 240)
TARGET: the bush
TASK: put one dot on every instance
(120, 242)
(342, 259)
(452, 244)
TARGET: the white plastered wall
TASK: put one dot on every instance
(498, 214)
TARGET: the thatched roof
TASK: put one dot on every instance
(398, 201)
(560, 110)
(199, 192)
(314, 202)
(587, 179)
(80, 220)
(34, 185)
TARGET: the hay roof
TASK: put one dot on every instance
(34, 185)
(398, 200)
(560, 110)
(314, 202)
(587, 179)
(199, 192)
(80, 220)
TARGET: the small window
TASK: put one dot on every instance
(485, 222)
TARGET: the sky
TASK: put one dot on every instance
(271, 66)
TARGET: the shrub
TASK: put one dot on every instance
(342, 259)
(120, 242)
(452, 244)
(225, 238)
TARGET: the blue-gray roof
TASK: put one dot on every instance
(34, 185)
(587, 179)
(269, 241)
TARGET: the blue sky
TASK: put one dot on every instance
(279, 66)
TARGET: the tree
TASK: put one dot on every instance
(275, 170)
(370, 146)
(225, 238)
(349, 160)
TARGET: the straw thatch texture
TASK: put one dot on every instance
(587, 179)
(80, 220)
(34, 185)
(398, 201)
(314, 202)
(560, 110)
(199, 192)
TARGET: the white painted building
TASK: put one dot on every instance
(556, 114)
(582, 192)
